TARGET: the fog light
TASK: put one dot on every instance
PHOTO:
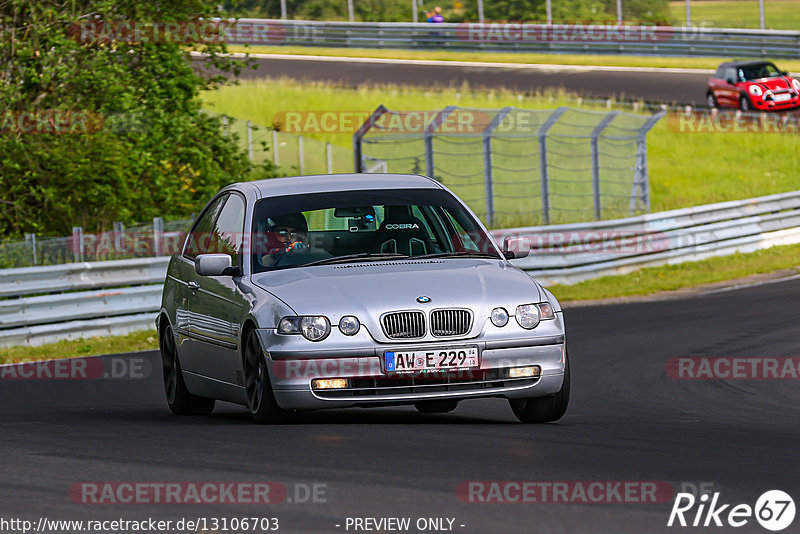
(329, 383)
(523, 372)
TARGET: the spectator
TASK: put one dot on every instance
(437, 15)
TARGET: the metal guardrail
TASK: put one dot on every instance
(589, 38)
(48, 303)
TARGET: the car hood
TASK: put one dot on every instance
(772, 84)
(368, 290)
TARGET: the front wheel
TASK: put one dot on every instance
(544, 409)
(260, 398)
(180, 401)
(711, 100)
(744, 104)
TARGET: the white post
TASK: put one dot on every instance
(283, 10)
(761, 12)
(549, 12)
(480, 11)
(329, 157)
(350, 14)
(275, 147)
(688, 14)
(414, 11)
(619, 11)
(250, 141)
(300, 157)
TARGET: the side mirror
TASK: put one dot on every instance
(785, 72)
(730, 81)
(215, 265)
(515, 248)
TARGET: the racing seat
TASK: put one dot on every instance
(402, 233)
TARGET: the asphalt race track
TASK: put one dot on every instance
(652, 86)
(628, 421)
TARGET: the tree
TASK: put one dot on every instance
(137, 143)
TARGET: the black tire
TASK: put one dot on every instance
(544, 409)
(260, 398)
(711, 100)
(744, 104)
(180, 401)
(436, 406)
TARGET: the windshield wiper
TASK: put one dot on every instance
(368, 256)
(459, 254)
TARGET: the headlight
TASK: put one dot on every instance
(349, 325)
(755, 90)
(796, 84)
(313, 328)
(527, 316)
(499, 317)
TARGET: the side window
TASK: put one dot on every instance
(198, 240)
(229, 228)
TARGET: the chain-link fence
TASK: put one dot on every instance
(517, 167)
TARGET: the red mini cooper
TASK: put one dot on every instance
(752, 85)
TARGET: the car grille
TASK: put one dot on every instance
(404, 325)
(450, 322)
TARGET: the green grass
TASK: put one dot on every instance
(685, 275)
(686, 169)
(645, 282)
(778, 14)
(94, 346)
(508, 57)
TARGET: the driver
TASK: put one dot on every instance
(285, 234)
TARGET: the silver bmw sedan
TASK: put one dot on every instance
(301, 293)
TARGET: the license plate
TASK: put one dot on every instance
(782, 97)
(442, 359)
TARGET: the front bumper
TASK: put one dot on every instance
(292, 371)
(771, 105)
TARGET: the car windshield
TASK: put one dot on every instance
(755, 72)
(357, 226)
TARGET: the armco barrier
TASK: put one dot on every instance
(577, 38)
(44, 304)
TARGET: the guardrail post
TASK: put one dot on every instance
(430, 168)
(551, 120)
(598, 207)
(30, 239)
(225, 127)
(77, 243)
(250, 153)
(329, 157)
(158, 236)
(487, 162)
(300, 156)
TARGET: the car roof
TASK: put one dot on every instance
(298, 185)
(747, 63)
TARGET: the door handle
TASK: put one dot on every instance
(193, 285)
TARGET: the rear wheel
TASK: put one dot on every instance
(744, 103)
(260, 398)
(180, 401)
(710, 100)
(436, 406)
(544, 409)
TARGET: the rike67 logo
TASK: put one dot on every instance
(774, 510)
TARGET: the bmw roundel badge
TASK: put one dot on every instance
(423, 299)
